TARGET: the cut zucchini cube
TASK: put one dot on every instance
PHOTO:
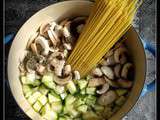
(90, 100)
(23, 79)
(48, 81)
(79, 102)
(59, 89)
(53, 97)
(56, 106)
(45, 109)
(28, 94)
(121, 92)
(63, 95)
(42, 99)
(71, 87)
(33, 98)
(50, 115)
(82, 83)
(82, 108)
(37, 106)
(83, 91)
(26, 89)
(91, 90)
(120, 101)
(43, 90)
(99, 108)
(69, 100)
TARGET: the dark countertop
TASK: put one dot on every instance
(18, 11)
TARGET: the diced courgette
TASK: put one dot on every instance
(69, 100)
(90, 100)
(43, 90)
(82, 108)
(50, 115)
(33, 98)
(59, 89)
(63, 95)
(45, 109)
(82, 83)
(56, 106)
(48, 81)
(30, 79)
(83, 91)
(42, 99)
(90, 90)
(71, 87)
(52, 97)
(37, 106)
(121, 92)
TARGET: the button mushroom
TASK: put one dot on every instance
(119, 55)
(97, 72)
(110, 60)
(125, 70)
(62, 81)
(107, 98)
(57, 55)
(52, 38)
(111, 83)
(44, 44)
(58, 66)
(117, 70)
(34, 48)
(67, 70)
(43, 29)
(76, 75)
(104, 89)
(94, 82)
(108, 72)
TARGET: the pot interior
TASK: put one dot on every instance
(58, 12)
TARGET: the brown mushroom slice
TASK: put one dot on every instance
(52, 38)
(34, 48)
(40, 69)
(104, 89)
(109, 53)
(44, 27)
(107, 71)
(62, 81)
(94, 82)
(118, 53)
(58, 55)
(117, 70)
(31, 39)
(76, 75)
(123, 59)
(124, 83)
(67, 46)
(67, 70)
(111, 82)
(110, 61)
(125, 70)
(67, 29)
(107, 98)
(58, 66)
(63, 22)
(44, 44)
(97, 72)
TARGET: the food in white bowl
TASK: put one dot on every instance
(56, 91)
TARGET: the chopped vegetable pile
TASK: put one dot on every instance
(56, 91)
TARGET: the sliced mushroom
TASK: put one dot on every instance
(65, 53)
(31, 39)
(58, 66)
(44, 44)
(58, 55)
(34, 48)
(67, 70)
(52, 38)
(44, 28)
(67, 46)
(125, 70)
(111, 83)
(110, 61)
(40, 69)
(119, 52)
(97, 72)
(123, 59)
(66, 29)
(63, 22)
(107, 98)
(62, 81)
(124, 83)
(94, 82)
(108, 72)
(117, 70)
(55, 35)
(76, 75)
(104, 89)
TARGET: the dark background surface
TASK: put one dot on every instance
(18, 11)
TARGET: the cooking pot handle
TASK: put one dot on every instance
(147, 87)
(151, 86)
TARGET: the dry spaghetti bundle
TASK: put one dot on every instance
(108, 22)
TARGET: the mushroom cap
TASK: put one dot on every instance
(94, 82)
(104, 89)
(108, 72)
